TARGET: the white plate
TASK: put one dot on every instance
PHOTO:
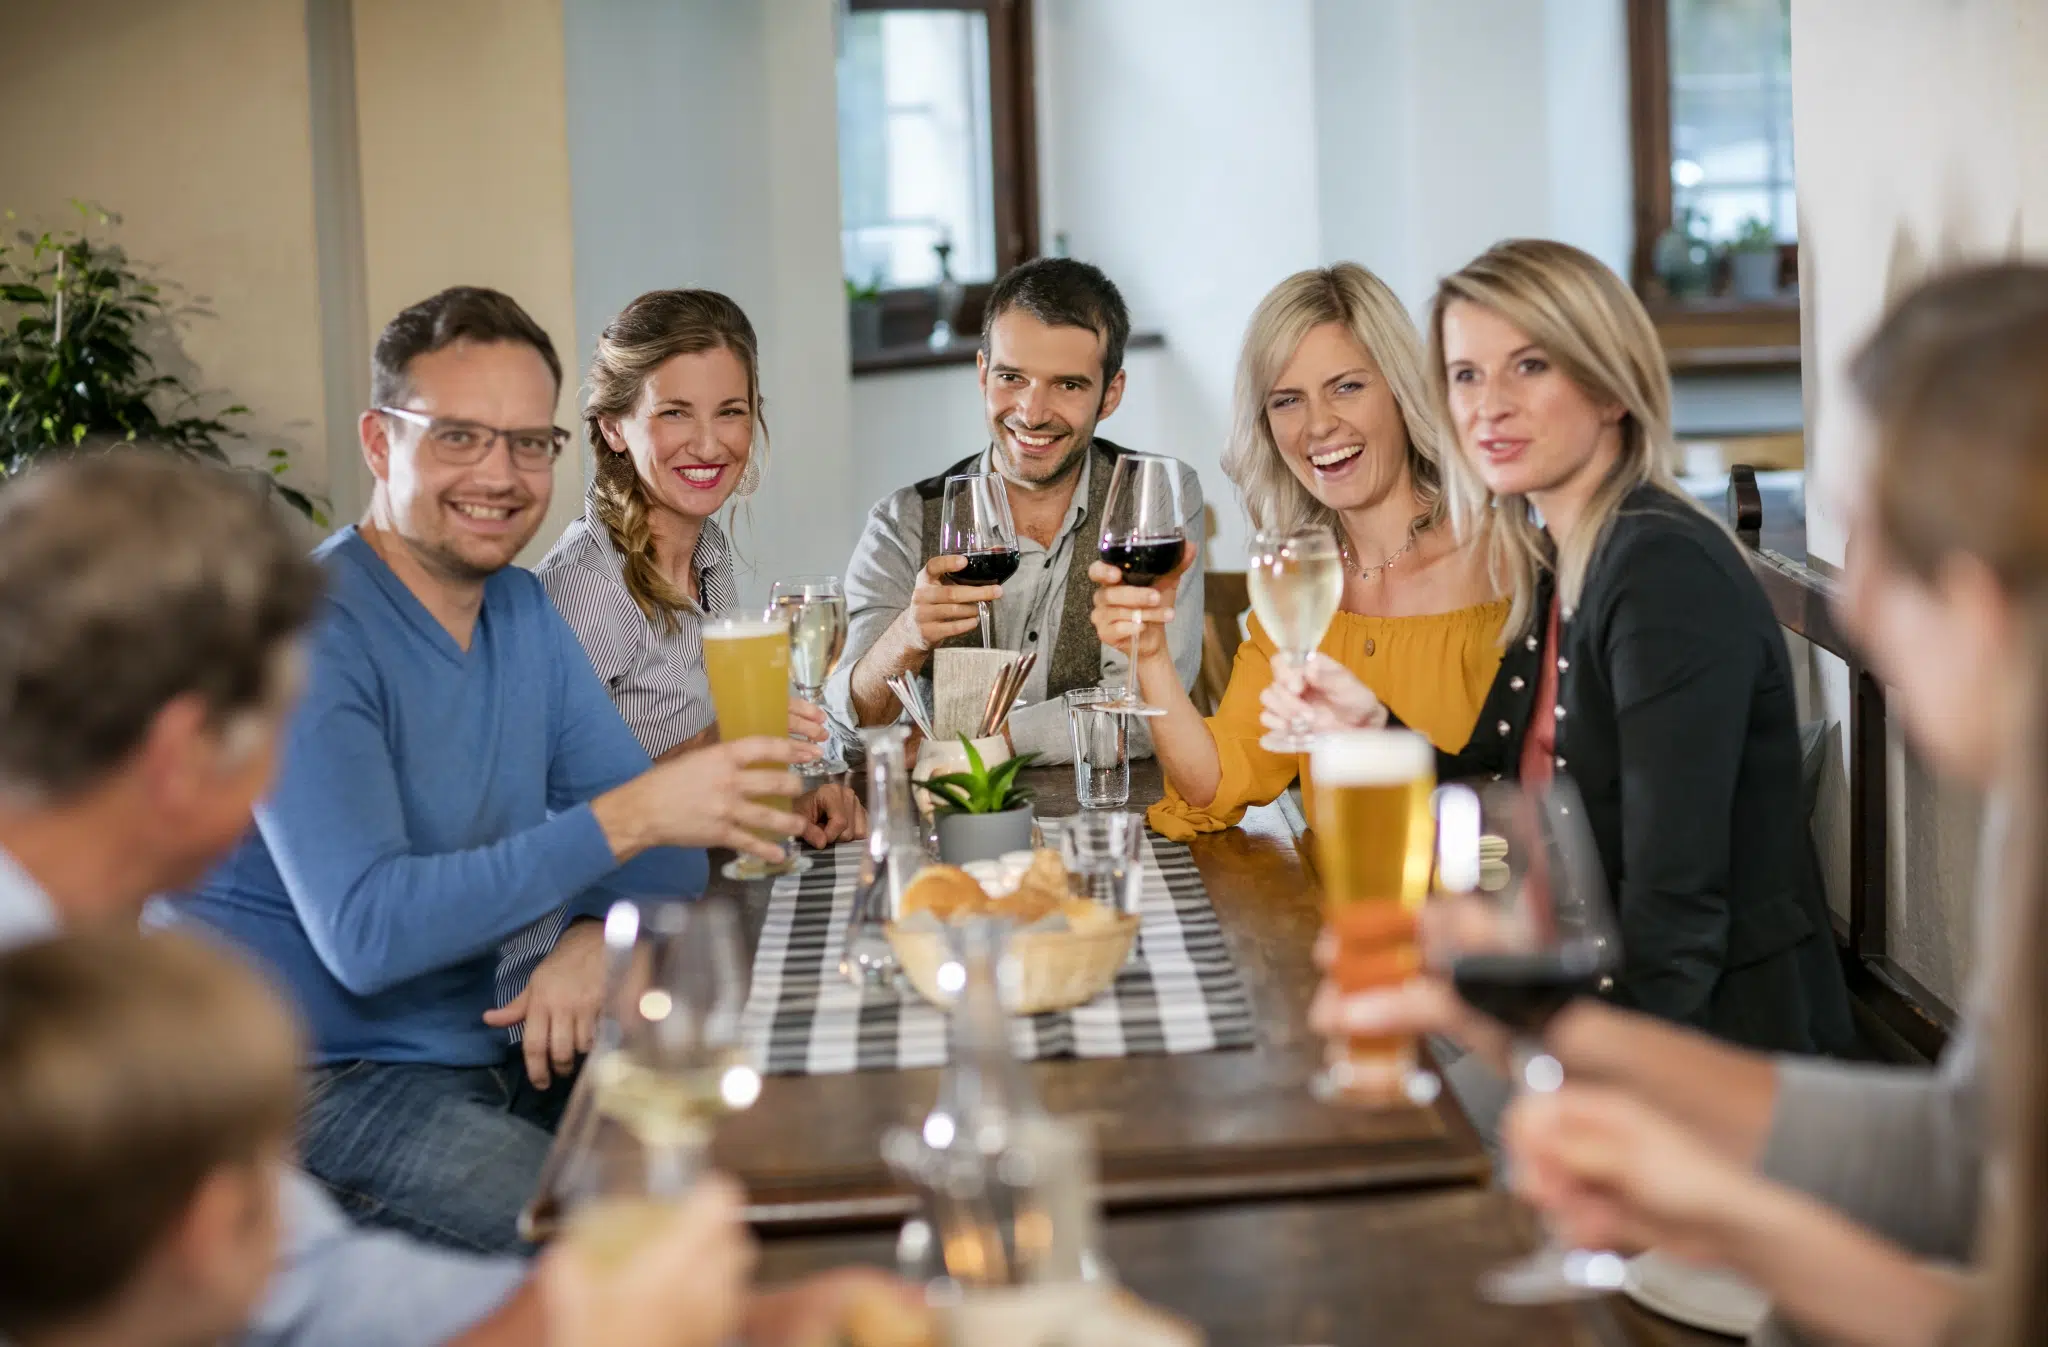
(1709, 1298)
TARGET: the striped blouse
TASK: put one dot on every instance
(656, 678)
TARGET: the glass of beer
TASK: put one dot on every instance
(1375, 844)
(1296, 579)
(815, 606)
(747, 662)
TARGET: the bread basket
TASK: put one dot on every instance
(1057, 970)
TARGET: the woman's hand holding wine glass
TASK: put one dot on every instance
(1135, 616)
(1322, 695)
(1144, 540)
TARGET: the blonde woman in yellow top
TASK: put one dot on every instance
(1333, 426)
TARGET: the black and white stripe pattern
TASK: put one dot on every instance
(803, 1018)
(656, 678)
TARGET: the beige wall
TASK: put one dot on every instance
(465, 171)
(187, 117)
(1929, 155)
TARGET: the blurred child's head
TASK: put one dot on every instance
(151, 1092)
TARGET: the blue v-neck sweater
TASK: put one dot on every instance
(431, 801)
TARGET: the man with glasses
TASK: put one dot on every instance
(456, 781)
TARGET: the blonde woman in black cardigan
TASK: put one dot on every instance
(1666, 693)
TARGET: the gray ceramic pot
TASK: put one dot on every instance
(983, 837)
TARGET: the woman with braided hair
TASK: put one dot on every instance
(672, 404)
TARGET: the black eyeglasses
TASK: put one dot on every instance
(461, 443)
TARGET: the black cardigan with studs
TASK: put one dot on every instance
(1677, 720)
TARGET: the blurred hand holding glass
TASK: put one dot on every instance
(1525, 850)
(815, 608)
(669, 1061)
(1374, 846)
(1102, 749)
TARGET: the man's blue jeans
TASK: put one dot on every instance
(449, 1154)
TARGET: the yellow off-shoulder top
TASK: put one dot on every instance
(1433, 672)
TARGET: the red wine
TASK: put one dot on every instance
(1143, 560)
(1524, 991)
(990, 567)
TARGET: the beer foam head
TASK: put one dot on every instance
(1370, 758)
(743, 628)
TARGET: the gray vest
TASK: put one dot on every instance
(1077, 655)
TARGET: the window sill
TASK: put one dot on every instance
(899, 358)
(1723, 335)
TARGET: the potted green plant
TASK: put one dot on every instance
(75, 369)
(984, 811)
(864, 315)
(1753, 261)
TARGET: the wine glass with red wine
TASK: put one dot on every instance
(974, 522)
(1142, 537)
(1523, 850)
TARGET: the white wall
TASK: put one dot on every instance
(909, 424)
(703, 152)
(1928, 155)
(1178, 138)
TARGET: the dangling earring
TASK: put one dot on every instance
(750, 478)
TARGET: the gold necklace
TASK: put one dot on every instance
(1369, 572)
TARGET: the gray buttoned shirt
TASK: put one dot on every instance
(884, 571)
(335, 1285)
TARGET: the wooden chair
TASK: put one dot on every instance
(1902, 1018)
(1224, 600)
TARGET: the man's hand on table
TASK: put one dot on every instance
(560, 1004)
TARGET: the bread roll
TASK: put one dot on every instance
(945, 891)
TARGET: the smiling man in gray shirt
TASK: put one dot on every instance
(1051, 369)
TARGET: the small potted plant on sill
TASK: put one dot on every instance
(984, 811)
(1753, 261)
(864, 315)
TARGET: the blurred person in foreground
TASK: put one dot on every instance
(152, 615)
(1853, 1194)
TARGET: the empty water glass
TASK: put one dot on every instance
(1102, 749)
(1105, 858)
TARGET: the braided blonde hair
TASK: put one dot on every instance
(647, 334)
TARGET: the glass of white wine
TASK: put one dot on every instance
(815, 606)
(1296, 578)
(670, 1061)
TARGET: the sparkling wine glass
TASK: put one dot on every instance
(1296, 579)
(974, 522)
(815, 607)
(1142, 536)
(669, 1062)
(1524, 850)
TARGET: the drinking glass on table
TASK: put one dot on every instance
(1375, 841)
(1142, 537)
(1102, 749)
(1104, 855)
(669, 1063)
(1525, 850)
(815, 607)
(974, 522)
(747, 663)
(1296, 579)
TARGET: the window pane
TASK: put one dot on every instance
(915, 146)
(1731, 114)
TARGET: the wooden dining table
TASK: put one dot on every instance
(1232, 1197)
